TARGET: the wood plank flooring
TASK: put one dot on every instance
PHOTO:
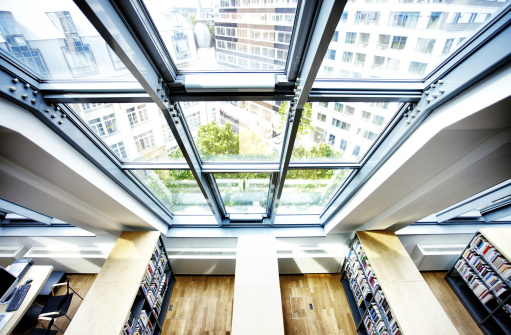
(330, 313)
(200, 305)
(203, 304)
(459, 316)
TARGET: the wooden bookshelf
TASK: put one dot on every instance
(116, 292)
(412, 303)
(482, 288)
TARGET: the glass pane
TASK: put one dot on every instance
(340, 131)
(401, 39)
(54, 40)
(176, 189)
(225, 34)
(308, 191)
(134, 131)
(244, 192)
(234, 130)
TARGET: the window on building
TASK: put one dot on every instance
(383, 41)
(343, 145)
(360, 59)
(137, 114)
(363, 39)
(193, 121)
(378, 62)
(348, 110)
(403, 19)
(331, 140)
(335, 38)
(436, 20)
(350, 38)
(119, 150)
(181, 45)
(341, 124)
(321, 117)
(330, 54)
(347, 57)
(328, 71)
(369, 135)
(90, 106)
(464, 17)
(338, 107)
(324, 104)
(97, 126)
(356, 150)
(417, 68)
(78, 55)
(399, 42)
(110, 123)
(367, 18)
(366, 115)
(447, 46)
(344, 16)
(392, 64)
(378, 120)
(17, 46)
(144, 141)
(425, 45)
(167, 134)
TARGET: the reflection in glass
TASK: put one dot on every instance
(340, 131)
(225, 34)
(176, 189)
(244, 192)
(308, 191)
(397, 39)
(134, 131)
(56, 41)
(234, 130)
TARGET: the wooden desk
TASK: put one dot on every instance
(38, 274)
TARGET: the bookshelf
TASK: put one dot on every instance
(386, 292)
(131, 292)
(481, 278)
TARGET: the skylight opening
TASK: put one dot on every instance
(401, 39)
(229, 35)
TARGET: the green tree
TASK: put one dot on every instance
(305, 126)
(214, 141)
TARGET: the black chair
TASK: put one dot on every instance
(47, 330)
(28, 321)
(57, 306)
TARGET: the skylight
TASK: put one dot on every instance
(205, 35)
(401, 39)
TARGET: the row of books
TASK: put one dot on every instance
(385, 307)
(357, 279)
(494, 282)
(374, 322)
(368, 270)
(161, 294)
(473, 281)
(129, 326)
(492, 256)
(144, 324)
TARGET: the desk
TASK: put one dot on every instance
(39, 274)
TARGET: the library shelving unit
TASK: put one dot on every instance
(385, 290)
(481, 278)
(131, 292)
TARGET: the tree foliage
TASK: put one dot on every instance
(305, 126)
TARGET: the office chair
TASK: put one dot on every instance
(57, 306)
(47, 330)
(28, 321)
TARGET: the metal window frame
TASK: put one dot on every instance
(129, 31)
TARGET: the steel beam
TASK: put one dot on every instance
(109, 21)
(28, 213)
(328, 17)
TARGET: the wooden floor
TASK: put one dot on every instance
(200, 305)
(330, 313)
(203, 304)
(458, 314)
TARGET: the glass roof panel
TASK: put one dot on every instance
(244, 192)
(206, 35)
(340, 131)
(401, 39)
(176, 189)
(308, 191)
(133, 131)
(234, 130)
(54, 40)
